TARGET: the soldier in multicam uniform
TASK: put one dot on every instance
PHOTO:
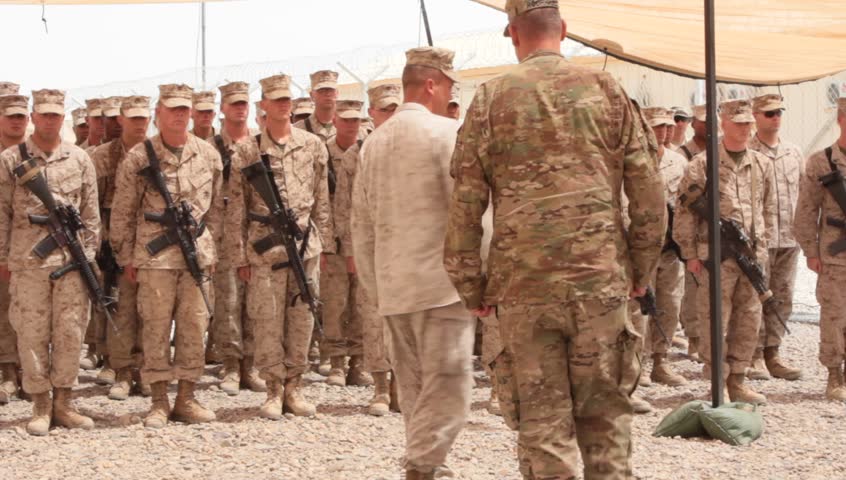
(14, 117)
(747, 195)
(788, 165)
(202, 114)
(815, 235)
(303, 108)
(49, 316)
(234, 330)
(167, 292)
(124, 347)
(560, 270)
(345, 304)
(398, 227)
(80, 125)
(283, 326)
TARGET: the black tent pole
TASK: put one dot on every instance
(713, 196)
(426, 21)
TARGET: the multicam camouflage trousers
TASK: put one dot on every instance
(574, 367)
(669, 290)
(343, 315)
(782, 274)
(49, 318)
(832, 315)
(8, 341)
(232, 328)
(432, 353)
(282, 331)
(688, 317)
(741, 317)
(125, 346)
(167, 297)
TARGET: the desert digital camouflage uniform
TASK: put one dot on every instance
(788, 166)
(560, 268)
(204, 101)
(747, 195)
(283, 329)
(814, 235)
(49, 316)
(166, 291)
(93, 108)
(320, 79)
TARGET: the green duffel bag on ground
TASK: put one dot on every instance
(684, 421)
(733, 423)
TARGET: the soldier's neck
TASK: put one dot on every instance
(7, 141)
(203, 132)
(661, 150)
(279, 131)
(174, 139)
(700, 142)
(769, 139)
(841, 142)
(130, 141)
(345, 142)
(45, 143)
(325, 116)
(94, 139)
(236, 131)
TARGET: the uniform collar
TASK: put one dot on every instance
(541, 53)
(295, 141)
(61, 153)
(189, 150)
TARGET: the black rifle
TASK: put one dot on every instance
(111, 270)
(835, 184)
(64, 224)
(649, 307)
(226, 158)
(737, 245)
(180, 226)
(670, 244)
(282, 221)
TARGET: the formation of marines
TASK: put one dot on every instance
(569, 203)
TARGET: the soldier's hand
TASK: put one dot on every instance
(483, 311)
(5, 274)
(351, 265)
(244, 273)
(637, 293)
(694, 266)
(131, 273)
(815, 265)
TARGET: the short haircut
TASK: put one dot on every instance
(538, 24)
(414, 76)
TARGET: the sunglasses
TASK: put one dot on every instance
(774, 113)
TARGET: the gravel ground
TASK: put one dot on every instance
(803, 436)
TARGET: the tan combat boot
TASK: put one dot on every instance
(356, 375)
(394, 405)
(693, 349)
(835, 390)
(89, 361)
(777, 367)
(160, 409)
(663, 373)
(758, 370)
(250, 378)
(9, 387)
(639, 405)
(739, 392)
(231, 383)
(379, 404)
(42, 411)
(272, 407)
(337, 377)
(493, 404)
(412, 474)
(107, 374)
(64, 413)
(123, 384)
(294, 401)
(680, 342)
(186, 408)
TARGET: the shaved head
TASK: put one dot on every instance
(415, 76)
(539, 24)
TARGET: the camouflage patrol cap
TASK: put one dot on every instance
(276, 87)
(303, 106)
(13, 104)
(111, 106)
(135, 106)
(455, 94)
(515, 8)
(203, 101)
(259, 111)
(79, 116)
(433, 57)
(383, 96)
(94, 107)
(682, 112)
(768, 103)
(349, 109)
(700, 112)
(9, 88)
(234, 92)
(737, 111)
(173, 95)
(48, 101)
(656, 116)
(324, 79)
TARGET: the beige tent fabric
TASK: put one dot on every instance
(759, 42)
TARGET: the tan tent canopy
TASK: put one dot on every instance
(95, 2)
(773, 42)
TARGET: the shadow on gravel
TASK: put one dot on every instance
(672, 401)
(340, 410)
(792, 397)
(236, 415)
